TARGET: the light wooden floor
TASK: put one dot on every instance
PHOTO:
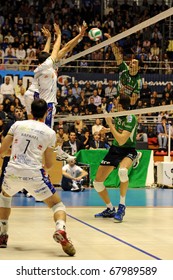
(145, 234)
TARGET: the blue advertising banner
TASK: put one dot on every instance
(155, 81)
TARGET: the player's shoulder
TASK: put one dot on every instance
(131, 118)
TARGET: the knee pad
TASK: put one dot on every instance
(123, 175)
(5, 201)
(99, 187)
(59, 207)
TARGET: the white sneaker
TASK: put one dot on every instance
(61, 155)
(75, 187)
(136, 160)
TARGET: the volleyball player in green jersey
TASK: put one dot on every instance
(129, 83)
(120, 155)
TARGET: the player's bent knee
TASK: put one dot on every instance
(59, 207)
(123, 174)
(5, 201)
(99, 186)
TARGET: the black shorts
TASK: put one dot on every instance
(117, 154)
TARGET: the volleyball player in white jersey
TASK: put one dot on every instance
(46, 72)
(33, 91)
(32, 141)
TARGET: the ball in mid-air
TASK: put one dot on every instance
(95, 34)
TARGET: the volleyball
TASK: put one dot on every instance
(95, 34)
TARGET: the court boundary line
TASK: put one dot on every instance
(116, 238)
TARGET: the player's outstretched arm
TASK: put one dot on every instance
(47, 34)
(72, 43)
(57, 43)
(116, 51)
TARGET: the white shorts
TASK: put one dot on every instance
(37, 183)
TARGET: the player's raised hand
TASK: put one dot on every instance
(83, 29)
(46, 32)
(57, 29)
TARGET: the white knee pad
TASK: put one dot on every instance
(123, 175)
(99, 187)
(5, 201)
(59, 207)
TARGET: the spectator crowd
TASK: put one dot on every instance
(21, 38)
(21, 41)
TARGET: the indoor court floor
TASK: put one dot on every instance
(145, 233)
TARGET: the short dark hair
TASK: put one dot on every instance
(124, 101)
(43, 56)
(38, 108)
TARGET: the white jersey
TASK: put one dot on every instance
(74, 171)
(47, 80)
(30, 140)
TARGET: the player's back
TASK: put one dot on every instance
(47, 80)
(30, 140)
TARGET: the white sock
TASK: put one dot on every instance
(122, 200)
(109, 205)
(3, 226)
(60, 225)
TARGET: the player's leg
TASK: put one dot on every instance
(59, 212)
(5, 210)
(102, 173)
(124, 166)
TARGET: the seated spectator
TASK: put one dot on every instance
(65, 88)
(81, 98)
(86, 138)
(73, 176)
(73, 145)
(2, 113)
(76, 90)
(168, 88)
(97, 126)
(24, 65)
(141, 131)
(11, 64)
(61, 137)
(7, 89)
(88, 89)
(104, 105)
(91, 107)
(96, 143)
(145, 93)
(70, 97)
(110, 90)
(97, 98)
(100, 90)
(19, 87)
(162, 134)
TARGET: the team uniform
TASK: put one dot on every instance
(25, 169)
(116, 152)
(47, 84)
(31, 93)
(68, 184)
(128, 84)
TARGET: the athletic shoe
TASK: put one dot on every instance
(118, 217)
(61, 155)
(61, 237)
(136, 160)
(107, 213)
(3, 240)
